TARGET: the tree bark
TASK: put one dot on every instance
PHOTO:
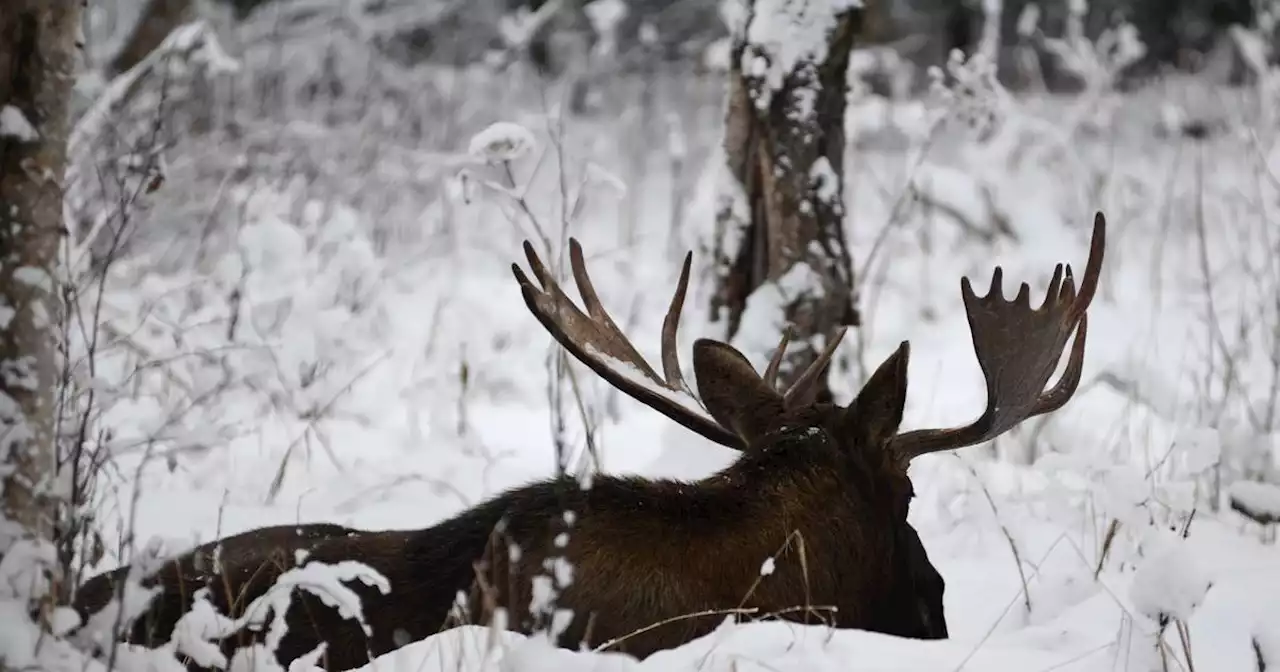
(781, 219)
(38, 52)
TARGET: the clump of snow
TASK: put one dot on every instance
(199, 43)
(783, 35)
(765, 317)
(605, 15)
(1170, 584)
(15, 126)
(24, 570)
(502, 141)
(326, 582)
(827, 186)
(24, 647)
(196, 632)
(1260, 501)
(716, 55)
(133, 598)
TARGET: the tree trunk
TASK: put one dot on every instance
(38, 52)
(780, 222)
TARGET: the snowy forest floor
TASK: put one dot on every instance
(317, 322)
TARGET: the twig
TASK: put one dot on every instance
(1013, 547)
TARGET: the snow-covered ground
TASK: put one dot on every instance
(328, 330)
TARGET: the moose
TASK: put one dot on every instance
(809, 524)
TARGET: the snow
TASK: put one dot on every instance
(502, 141)
(1266, 638)
(828, 183)
(14, 125)
(317, 329)
(764, 318)
(784, 35)
(1261, 499)
(758, 647)
(1170, 584)
(605, 15)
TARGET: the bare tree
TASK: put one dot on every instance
(781, 216)
(38, 52)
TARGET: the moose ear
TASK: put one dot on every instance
(874, 416)
(735, 395)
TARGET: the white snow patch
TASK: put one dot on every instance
(826, 182)
(765, 315)
(1171, 583)
(14, 125)
(502, 141)
(785, 34)
(1266, 637)
(1257, 498)
(326, 582)
(605, 15)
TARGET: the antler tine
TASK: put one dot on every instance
(1092, 268)
(1055, 286)
(595, 309)
(775, 362)
(803, 391)
(1061, 393)
(1018, 349)
(593, 339)
(671, 327)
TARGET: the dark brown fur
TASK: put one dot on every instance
(264, 548)
(425, 569)
(814, 483)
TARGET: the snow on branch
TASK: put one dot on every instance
(132, 600)
(502, 141)
(1258, 501)
(1171, 582)
(114, 152)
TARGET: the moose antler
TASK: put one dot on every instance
(595, 340)
(1018, 349)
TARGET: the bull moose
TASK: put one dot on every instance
(809, 524)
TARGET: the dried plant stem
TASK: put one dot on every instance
(708, 612)
(1013, 547)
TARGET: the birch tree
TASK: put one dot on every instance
(38, 52)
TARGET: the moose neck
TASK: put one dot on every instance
(799, 460)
